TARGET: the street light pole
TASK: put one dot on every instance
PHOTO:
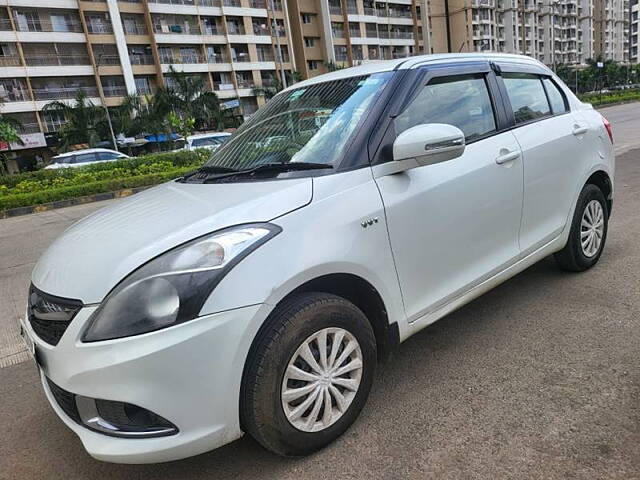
(104, 105)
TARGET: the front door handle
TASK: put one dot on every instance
(578, 130)
(507, 157)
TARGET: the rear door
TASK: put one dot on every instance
(453, 224)
(552, 142)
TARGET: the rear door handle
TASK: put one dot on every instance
(507, 157)
(578, 130)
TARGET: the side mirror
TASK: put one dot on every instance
(428, 144)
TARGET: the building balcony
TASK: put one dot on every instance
(5, 25)
(56, 60)
(217, 58)
(370, 11)
(135, 29)
(114, 90)
(58, 93)
(31, 25)
(258, 4)
(201, 3)
(233, 30)
(103, 60)
(335, 9)
(10, 61)
(258, 30)
(246, 84)
(141, 59)
(99, 28)
(181, 59)
(231, 3)
(27, 128)
(265, 57)
(399, 14)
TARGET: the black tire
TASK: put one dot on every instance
(572, 257)
(262, 414)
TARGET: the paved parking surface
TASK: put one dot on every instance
(537, 379)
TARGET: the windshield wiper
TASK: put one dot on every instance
(273, 167)
(205, 170)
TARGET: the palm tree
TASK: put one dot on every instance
(190, 99)
(83, 119)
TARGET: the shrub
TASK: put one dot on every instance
(43, 186)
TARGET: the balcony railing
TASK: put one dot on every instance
(134, 28)
(258, 4)
(27, 128)
(335, 9)
(231, 3)
(218, 58)
(114, 91)
(56, 60)
(210, 30)
(107, 59)
(31, 25)
(184, 28)
(245, 83)
(265, 57)
(370, 11)
(99, 27)
(399, 13)
(258, 30)
(10, 61)
(337, 33)
(355, 32)
(58, 93)
(241, 57)
(5, 24)
(141, 58)
(14, 94)
(181, 59)
(201, 3)
(235, 30)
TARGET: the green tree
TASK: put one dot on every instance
(9, 133)
(83, 120)
(190, 99)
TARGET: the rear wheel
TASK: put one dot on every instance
(588, 232)
(309, 375)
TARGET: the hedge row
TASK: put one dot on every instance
(129, 167)
(612, 97)
(65, 193)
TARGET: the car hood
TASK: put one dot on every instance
(93, 255)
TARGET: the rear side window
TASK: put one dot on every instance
(556, 98)
(107, 156)
(84, 157)
(462, 101)
(527, 96)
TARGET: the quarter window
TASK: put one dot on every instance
(462, 101)
(528, 100)
(556, 98)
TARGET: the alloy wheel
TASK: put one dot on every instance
(592, 228)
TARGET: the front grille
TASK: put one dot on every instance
(66, 401)
(50, 316)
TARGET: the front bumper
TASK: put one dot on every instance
(189, 374)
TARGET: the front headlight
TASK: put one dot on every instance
(172, 288)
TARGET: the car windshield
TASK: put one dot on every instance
(305, 125)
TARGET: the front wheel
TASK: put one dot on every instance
(309, 374)
(588, 232)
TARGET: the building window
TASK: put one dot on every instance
(309, 42)
(313, 64)
(307, 17)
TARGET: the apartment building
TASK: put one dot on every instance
(111, 48)
(634, 32)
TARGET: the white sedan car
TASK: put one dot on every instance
(209, 141)
(81, 158)
(257, 294)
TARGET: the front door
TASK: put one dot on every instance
(454, 223)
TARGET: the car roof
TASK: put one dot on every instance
(86, 150)
(407, 63)
(206, 135)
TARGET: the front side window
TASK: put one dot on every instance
(462, 101)
(527, 96)
(556, 98)
(205, 142)
(308, 125)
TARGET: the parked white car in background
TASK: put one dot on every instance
(81, 158)
(257, 294)
(210, 141)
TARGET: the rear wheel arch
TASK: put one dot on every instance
(601, 179)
